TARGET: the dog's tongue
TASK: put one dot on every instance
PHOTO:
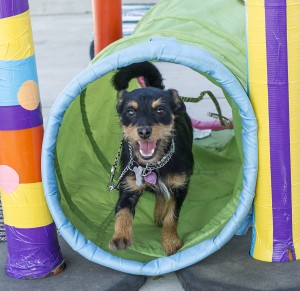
(147, 148)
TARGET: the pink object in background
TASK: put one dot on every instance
(213, 125)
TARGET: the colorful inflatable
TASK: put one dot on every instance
(274, 86)
(33, 250)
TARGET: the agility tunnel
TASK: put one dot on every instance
(83, 135)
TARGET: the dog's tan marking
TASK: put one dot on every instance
(130, 133)
(129, 184)
(120, 94)
(163, 133)
(156, 103)
(178, 104)
(176, 98)
(160, 132)
(160, 210)
(133, 105)
(123, 236)
(120, 98)
(176, 180)
(170, 240)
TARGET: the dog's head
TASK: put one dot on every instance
(147, 116)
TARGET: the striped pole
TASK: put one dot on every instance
(2, 228)
(33, 250)
(274, 87)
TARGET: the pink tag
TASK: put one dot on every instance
(151, 178)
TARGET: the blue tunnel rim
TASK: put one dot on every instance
(167, 50)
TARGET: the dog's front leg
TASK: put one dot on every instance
(170, 239)
(125, 209)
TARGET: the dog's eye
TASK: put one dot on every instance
(160, 111)
(130, 112)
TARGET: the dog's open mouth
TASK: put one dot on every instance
(147, 148)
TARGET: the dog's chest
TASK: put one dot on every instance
(152, 181)
(161, 188)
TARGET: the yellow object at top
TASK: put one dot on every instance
(16, 42)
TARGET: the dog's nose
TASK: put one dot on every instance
(144, 132)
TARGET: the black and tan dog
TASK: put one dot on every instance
(156, 153)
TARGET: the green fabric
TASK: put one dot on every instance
(216, 26)
(90, 135)
(88, 141)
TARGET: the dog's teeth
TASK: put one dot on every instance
(147, 154)
(147, 148)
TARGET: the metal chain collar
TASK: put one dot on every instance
(146, 170)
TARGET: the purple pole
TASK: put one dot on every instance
(278, 91)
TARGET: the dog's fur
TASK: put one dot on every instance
(151, 116)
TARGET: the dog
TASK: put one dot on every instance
(156, 153)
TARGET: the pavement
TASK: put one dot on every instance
(62, 35)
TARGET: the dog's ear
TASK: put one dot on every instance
(177, 104)
(120, 102)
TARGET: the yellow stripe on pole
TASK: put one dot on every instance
(16, 41)
(26, 207)
(258, 89)
(293, 29)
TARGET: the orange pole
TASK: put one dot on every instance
(107, 22)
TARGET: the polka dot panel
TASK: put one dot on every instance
(19, 83)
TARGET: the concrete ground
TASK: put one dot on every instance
(42, 7)
(231, 268)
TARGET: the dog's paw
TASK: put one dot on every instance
(171, 245)
(120, 243)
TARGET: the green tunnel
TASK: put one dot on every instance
(89, 134)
